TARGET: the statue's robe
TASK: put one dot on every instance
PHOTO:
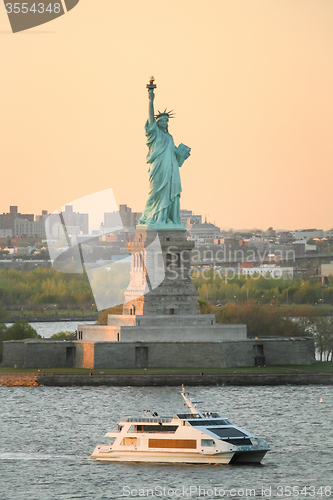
(162, 206)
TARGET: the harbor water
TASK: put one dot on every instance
(48, 433)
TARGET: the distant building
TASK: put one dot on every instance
(18, 250)
(285, 237)
(7, 220)
(304, 235)
(328, 234)
(22, 250)
(58, 231)
(259, 243)
(15, 224)
(124, 217)
(310, 248)
(269, 270)
(204, 232)
(41, 218)
(10, 250)
(5, 233)
(246, 264)
(229, 244)
(24, 227)
(187, 217)
(76, 219)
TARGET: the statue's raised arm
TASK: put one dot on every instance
(151, 96)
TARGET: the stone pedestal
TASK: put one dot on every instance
(161, 301)
(160, 281)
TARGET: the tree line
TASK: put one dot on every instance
(43, 286)
(47, 286)
(269, 320)
(265, 290)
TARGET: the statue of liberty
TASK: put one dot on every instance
(162, 210)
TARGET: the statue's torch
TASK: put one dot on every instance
(151, 85)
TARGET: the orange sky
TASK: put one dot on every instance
(250, 81)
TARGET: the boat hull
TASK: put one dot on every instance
(248, 457)
(163, 457)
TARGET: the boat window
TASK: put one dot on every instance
(172, 443)
(209, 422)
(186, 415)
(207, 442)
(154, 428)
(228, 432)
(238, 442)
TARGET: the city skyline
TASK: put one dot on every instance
(123, 208)
(250, 83)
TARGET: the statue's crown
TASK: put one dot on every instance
(169, 114)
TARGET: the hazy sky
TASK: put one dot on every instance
(251, 82)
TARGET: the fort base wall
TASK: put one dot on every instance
(229, 353)
(38, 353)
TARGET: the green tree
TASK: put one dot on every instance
(18, 331)
(3, 314)
(261, 320)
(264, 320)
(21, 330)
(63, 335)
(205, 307)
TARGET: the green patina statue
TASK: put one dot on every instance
(162, 210)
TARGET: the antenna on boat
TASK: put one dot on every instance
(191, 405)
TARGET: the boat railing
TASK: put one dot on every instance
(151, 432)
(146, 419)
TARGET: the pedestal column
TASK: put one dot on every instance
(160, 281)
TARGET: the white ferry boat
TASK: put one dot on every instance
(196, 437)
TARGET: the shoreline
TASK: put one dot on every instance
(144, 380)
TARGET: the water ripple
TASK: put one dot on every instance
(48, 433)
